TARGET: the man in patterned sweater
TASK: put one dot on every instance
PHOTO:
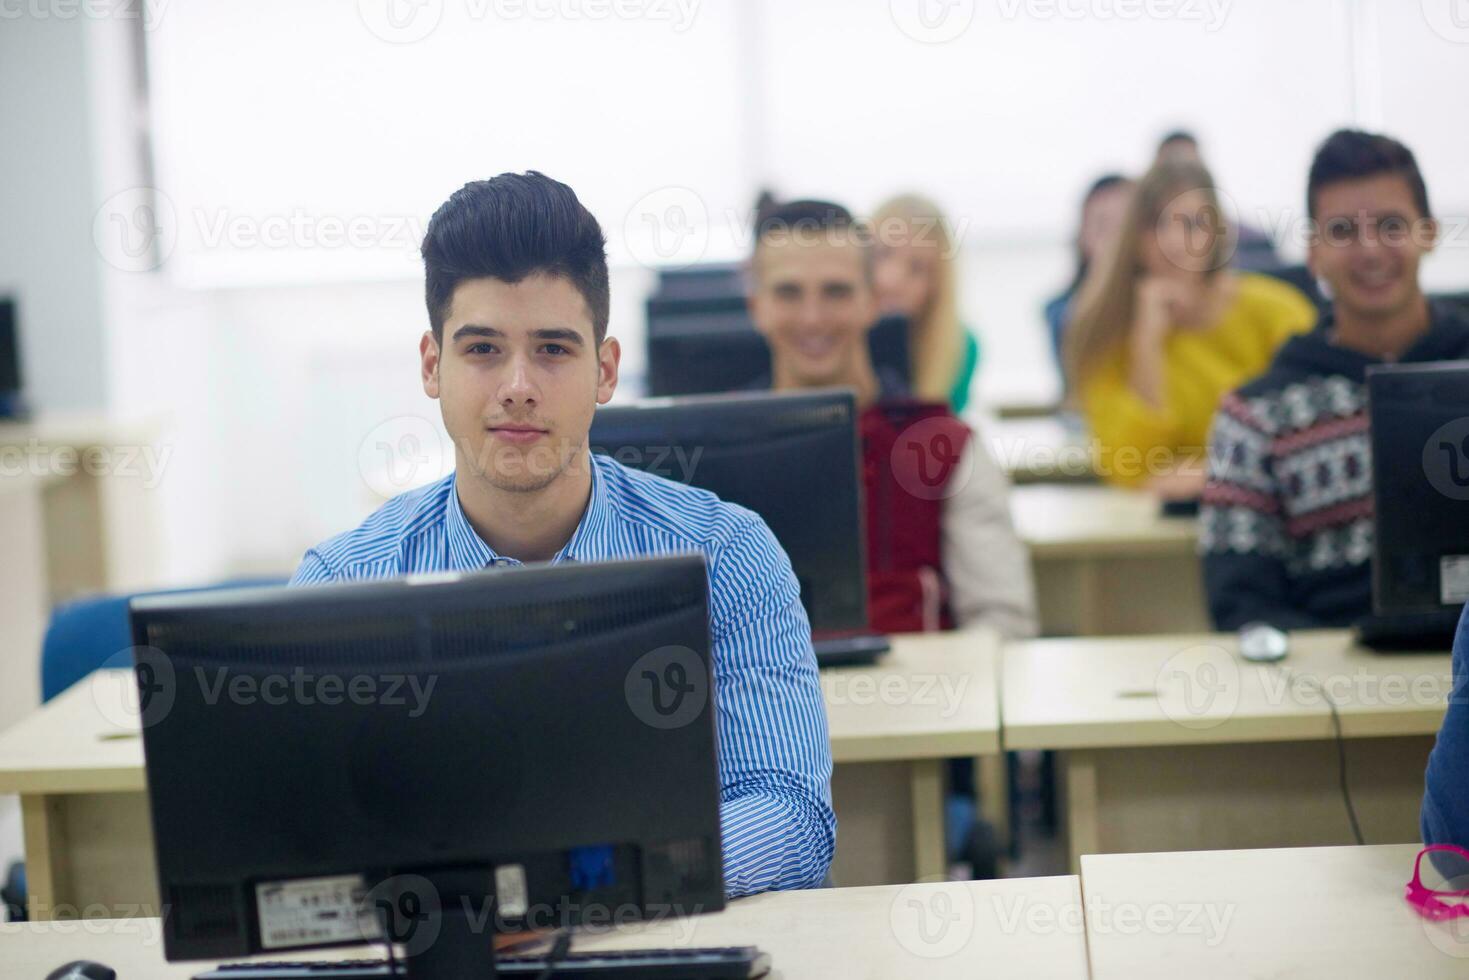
(1287, 520)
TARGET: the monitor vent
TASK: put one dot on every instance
(205, 912)
(411, 639)
(467, 635)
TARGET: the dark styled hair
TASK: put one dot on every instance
(1351, 154)
(805, 216)
(510, 227)
(809, 219)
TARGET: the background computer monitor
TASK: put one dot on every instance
(791, 458)
(1420, 470)
(565, 747)
(10, 375)
(703, 343)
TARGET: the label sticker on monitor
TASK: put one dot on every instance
(312, 911)
(1453, 579)
(510, 891)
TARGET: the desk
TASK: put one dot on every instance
(1174, 743)
(1313, 913)
(844, 934)
(1040, 449)
(893, 725)
(24, 603)
(77, 763)
(100, 516)
(24, 607)
(1107, 562)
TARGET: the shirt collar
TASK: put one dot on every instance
(590, 541)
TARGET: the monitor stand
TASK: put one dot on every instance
(459, 941)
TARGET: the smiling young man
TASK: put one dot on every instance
(1287, 523)
(941, 549)
(518, 357)
(940, 545)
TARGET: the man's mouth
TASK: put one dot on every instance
(518, 435)
(815, 345)
(1373, 280)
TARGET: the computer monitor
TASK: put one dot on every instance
(703, 345)
(543, 735)
(708, 345)
(792, 458)
(11, 402)
(703, 280)
(1420, 471)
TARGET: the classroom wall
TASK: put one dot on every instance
(46, 181)
(270, 365)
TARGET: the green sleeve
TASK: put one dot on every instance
(959, 394)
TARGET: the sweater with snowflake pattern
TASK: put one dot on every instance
(1286, 527)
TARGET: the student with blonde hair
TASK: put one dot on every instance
(1163, 329)
(915, 276)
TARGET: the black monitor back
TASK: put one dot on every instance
(1420, 470)
(537, 735)
(791, 458)
(708, 345)
(10, 379)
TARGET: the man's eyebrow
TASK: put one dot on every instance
(560, 333)
(474, 330)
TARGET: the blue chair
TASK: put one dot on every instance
(84, 634)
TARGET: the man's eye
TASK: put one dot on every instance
(1393, 226)
(555, 349)
(480, 349)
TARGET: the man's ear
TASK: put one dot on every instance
(609, 356)
(428, 356)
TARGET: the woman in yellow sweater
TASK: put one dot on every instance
(1163, 330)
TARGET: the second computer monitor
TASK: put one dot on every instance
(791, 458)
(1420, 473)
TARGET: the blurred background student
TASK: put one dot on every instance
(915, 276)
(1253, 247)
(1102, 211)
(1163, 328)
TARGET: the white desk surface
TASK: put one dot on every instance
(1193, 689)
(933, 696)
(1014, 928)
(82, 741)
(1314, 913)
(1098, 522)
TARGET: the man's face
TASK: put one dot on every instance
(814, 304)
(518, 375)
(1366, 243)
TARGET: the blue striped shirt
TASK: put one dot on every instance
(774, 754)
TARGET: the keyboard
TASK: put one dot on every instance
(1409, 632)
(719, 963)
(855, 650)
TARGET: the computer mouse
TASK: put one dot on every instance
(1262, 643)
(82, 970)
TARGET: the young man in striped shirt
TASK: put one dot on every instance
(518, 357)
